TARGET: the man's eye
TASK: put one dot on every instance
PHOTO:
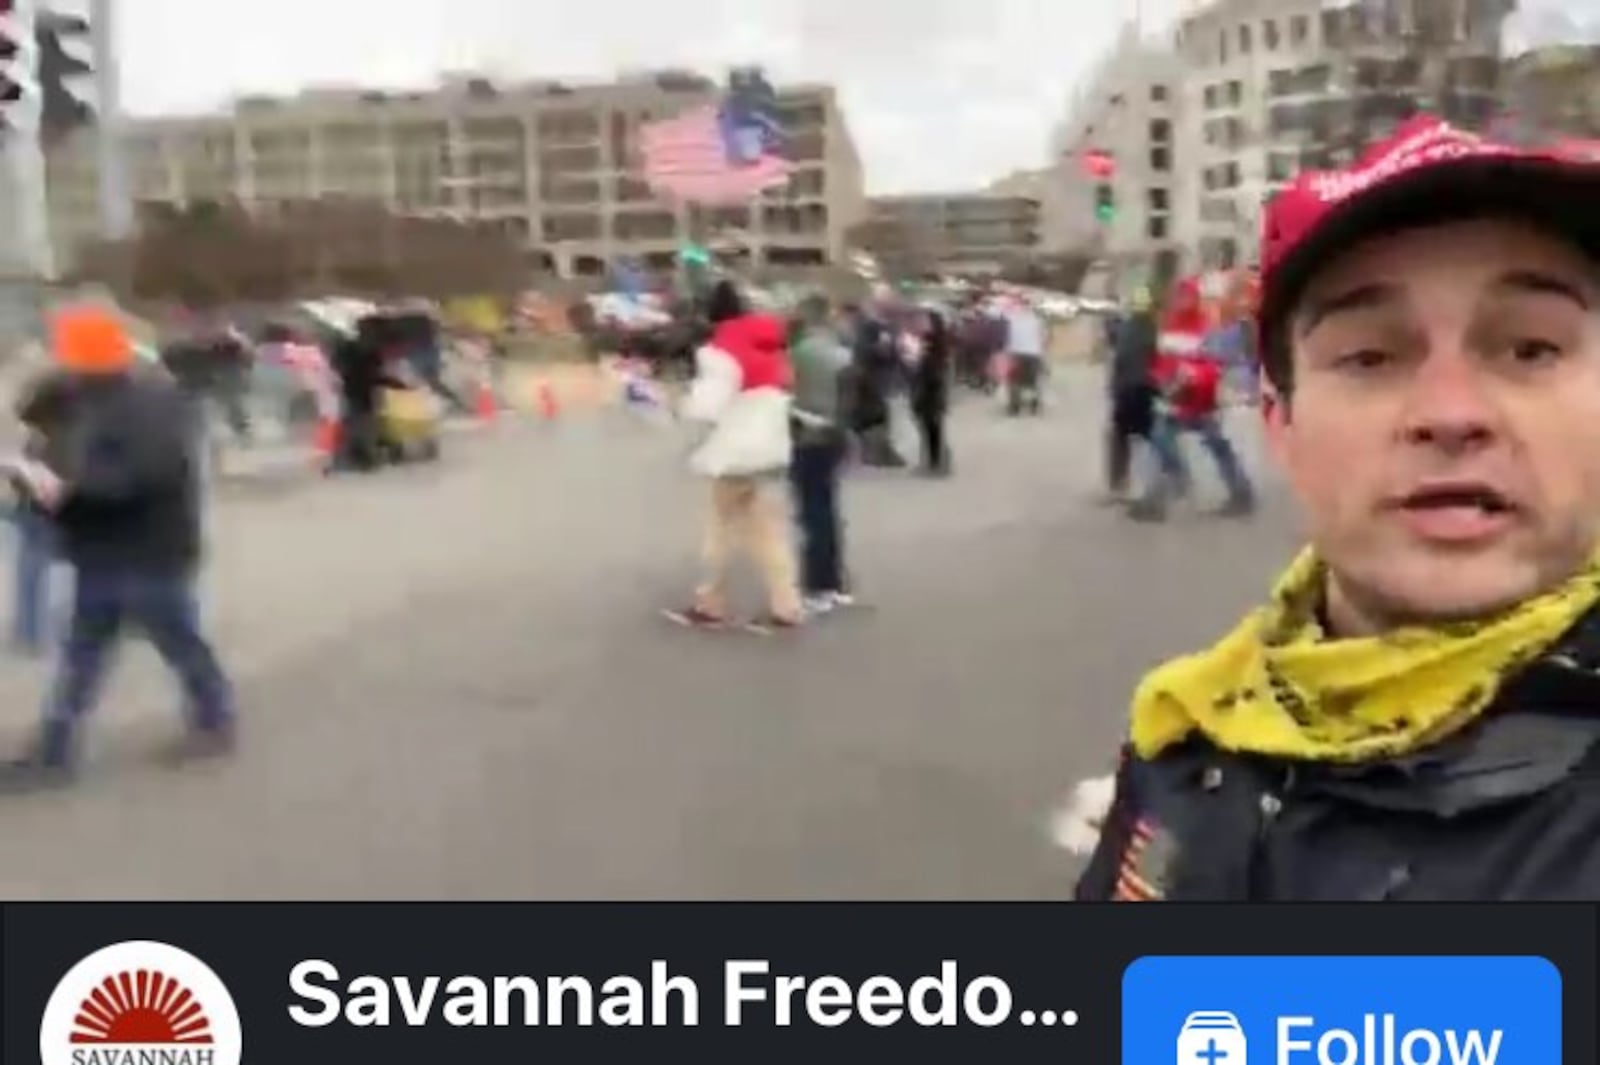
(1533, 350)
(1365, 359)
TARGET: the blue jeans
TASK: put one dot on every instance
(1173, 475)
(167, 608)
(815, 473)
(35, 557)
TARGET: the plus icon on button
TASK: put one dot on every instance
(1212, 1038)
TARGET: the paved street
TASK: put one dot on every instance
(456, 684)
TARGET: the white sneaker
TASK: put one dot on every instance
(818, 605)
(842, 599)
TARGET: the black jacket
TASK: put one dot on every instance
(1133, 354)
(930, 379)
(133, 492)
(1509, 810)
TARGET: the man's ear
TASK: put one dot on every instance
(1275, 421)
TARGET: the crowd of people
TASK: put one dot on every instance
(793, 399)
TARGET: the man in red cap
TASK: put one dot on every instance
(1412, 713)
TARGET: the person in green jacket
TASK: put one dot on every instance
(821, 422)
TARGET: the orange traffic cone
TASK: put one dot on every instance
(325, 441)
(488, 408)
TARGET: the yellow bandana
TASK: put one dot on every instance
(1277, 686)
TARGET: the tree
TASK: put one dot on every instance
(209, 253)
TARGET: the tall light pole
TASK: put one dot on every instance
(116, 198)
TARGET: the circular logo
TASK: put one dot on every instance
(140, 1001)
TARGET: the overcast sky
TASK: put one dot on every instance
(939, 93)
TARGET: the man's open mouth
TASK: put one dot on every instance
(1459, 497)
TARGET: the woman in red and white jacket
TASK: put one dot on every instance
(742, 397)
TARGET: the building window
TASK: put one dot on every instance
(1235, 93)
(1161, 159)
(1332, 28)
(1160, 130)
(1244, 39)
(1159, 200)
(1280, 82)
(1280, 167)
(1299, 30)
(1222, 47)
(1212, 96)
(1230, 176)
(1269, 35)
(1158, 94)
(1157, 228)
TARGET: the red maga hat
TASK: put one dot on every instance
(1427, 173)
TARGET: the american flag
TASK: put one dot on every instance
(697, 157)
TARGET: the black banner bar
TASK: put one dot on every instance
(325, 983)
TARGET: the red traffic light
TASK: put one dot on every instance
(1099, 164)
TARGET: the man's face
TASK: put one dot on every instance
(1443, 434)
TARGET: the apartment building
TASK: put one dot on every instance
(554, 163)
(965, 233)
(1273, 87)
(1556, 89)
(1129, 110)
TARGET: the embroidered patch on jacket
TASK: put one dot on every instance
(1146, 863)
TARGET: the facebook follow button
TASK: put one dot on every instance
(1341, 1011)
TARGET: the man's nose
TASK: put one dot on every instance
(1451, 404)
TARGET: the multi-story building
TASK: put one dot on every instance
(1556, 89)
(966, 233)
(1128, 110)
(1277, 86)
(555, 163)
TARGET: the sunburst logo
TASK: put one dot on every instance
(140, 1003)
(141, 1007)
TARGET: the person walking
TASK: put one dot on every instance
(741, 397)
(820, 434)
(874, 362)
(41, 411)
(125, 496)
(1132, 396)
(1189, 387)
(930, 394)
(1025, 344)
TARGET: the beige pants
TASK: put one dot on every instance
(749, 514)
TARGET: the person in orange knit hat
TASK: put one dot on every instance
(125, 498)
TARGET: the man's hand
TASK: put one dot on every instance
(41, 483)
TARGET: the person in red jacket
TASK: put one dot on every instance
(741, 397)
(1189, 380)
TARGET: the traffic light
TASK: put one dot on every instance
(19, 91)
(1105, 202)
(66, 72)
(1099, 164)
